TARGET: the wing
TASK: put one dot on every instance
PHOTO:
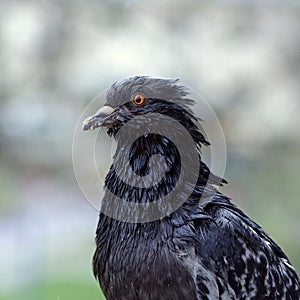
(235, 259)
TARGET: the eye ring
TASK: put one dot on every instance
(139, 99)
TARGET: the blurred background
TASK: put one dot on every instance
(56, 56)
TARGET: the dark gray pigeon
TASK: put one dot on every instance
(194, 244)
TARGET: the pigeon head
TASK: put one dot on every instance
(158, 147)
(140, 96)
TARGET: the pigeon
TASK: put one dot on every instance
(165, 231)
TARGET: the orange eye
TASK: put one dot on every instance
(139, 99)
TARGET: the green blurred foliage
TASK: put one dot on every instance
(57, 291)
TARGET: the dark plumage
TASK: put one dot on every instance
(204, 247)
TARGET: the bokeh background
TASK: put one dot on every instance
(56, 56)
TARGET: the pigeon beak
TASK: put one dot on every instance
(98, 118)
